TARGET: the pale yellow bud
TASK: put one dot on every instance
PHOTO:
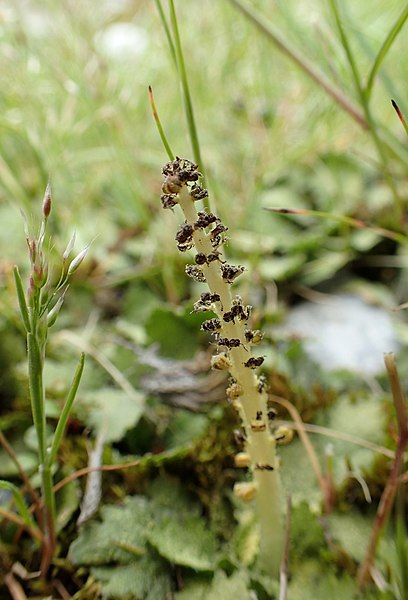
(221, 362)
(245, 491)
(242, 460)
(283, 435)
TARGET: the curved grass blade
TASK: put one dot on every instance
(392, 34)
(20, 504)
(356, 223)
(59, 432)
(159, 125)
(21, 299)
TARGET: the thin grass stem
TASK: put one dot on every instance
(365, 104)
(389, 40)
(302, 62)
(188, 104)
(166, 28)
(159, 125)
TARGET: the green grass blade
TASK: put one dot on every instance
(20, 504)
(166, 30)
(188, 105)
(159, 125)
(347, 48)
(372, 127)
(392, 34)
(298, 57)
(59, 432)
(355, 223)
(21, 299)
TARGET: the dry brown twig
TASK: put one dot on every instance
(388, 495)
(326, 489)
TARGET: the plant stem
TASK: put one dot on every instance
(35, 381)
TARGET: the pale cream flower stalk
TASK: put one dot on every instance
(246, 391)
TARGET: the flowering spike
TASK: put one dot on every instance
(246, 392)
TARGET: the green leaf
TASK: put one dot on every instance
(310, 580)
(111, 411)
(307, 538)
(222, 588)
(364, 419)
(117, 538)
(168, 496)
(184, 540)
(145, 579)
(165, 326)
(281, 268)
(297, 474)
(352, 531)
(184, 428)
(324, 267)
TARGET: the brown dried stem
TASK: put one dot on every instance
(388, 495)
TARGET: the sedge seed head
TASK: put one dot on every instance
(47, 201)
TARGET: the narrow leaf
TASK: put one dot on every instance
(392, 34)
(20, 504)
(59, 432)
(21, 299)
(159, 125)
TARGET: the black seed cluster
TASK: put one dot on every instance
(169, 200)
(195, 273)
(254, 362)
(238, 311)
(211, 325)
(182, 169)
(231, 272)
(205, 301)
(198, 193)
(184, 237)
(205, 219)
(229, 342)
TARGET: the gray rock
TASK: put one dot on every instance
(344, 332)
